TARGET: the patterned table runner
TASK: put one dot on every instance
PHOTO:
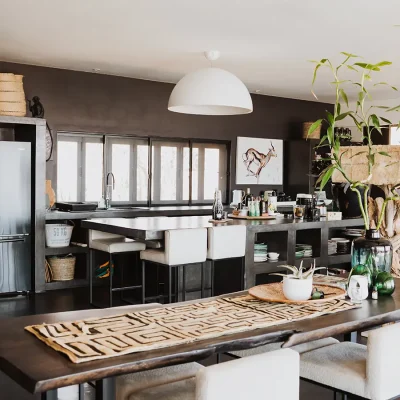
(98, 338)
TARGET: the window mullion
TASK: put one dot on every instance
(133, 174)
(201, 174)
(179, 173)
(81, 170)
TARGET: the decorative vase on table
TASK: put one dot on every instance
(371, 256)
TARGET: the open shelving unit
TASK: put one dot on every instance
(283, 237)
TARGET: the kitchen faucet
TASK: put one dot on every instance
(109, 189)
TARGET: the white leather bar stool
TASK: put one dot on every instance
(369, 372)
(182, 247)
(152, 244)
(226, 242)
(111, 244)
(273, 375)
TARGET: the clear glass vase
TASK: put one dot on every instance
(371, 255)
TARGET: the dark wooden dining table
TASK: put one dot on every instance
(40, 369)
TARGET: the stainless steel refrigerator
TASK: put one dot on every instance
(15, 217)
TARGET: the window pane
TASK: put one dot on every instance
(168, 173)
(195, 174)
(185, 183)
(67, 171)
(142, 172)
(121, 160)
(93, 171)
(211, 172)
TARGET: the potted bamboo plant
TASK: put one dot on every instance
(360, 167)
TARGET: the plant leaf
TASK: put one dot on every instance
(386, 120)
(397, 108)
(330, 118)
(357, 154)
(326, 177)
(369, 67)
(383, 63)
(314, 126)
(343, 94)
(384, 153)
(350, 55)
(375, 121)
(343, 116)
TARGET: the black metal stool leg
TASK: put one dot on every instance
(91, 276)
(169, 284)
(82, 392)
(105, 389)
(202, 279)
(212, 277)
(110, 280)
(50, 395)
(143, 282)
(218, 358)
(183, 283)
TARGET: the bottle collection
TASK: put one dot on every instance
(256, 206)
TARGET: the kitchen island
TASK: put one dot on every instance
(280, 234)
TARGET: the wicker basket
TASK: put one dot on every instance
(315, 135)
(12, 95)
(62, 268)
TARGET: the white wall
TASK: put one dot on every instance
(393, 116)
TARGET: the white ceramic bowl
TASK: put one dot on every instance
(273, 256)
(297, 289)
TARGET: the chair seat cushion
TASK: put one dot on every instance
(153, 255)
(139, 381)
(300, 348)
(341, 366)
(117, 245)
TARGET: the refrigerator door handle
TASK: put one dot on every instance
(19, 237)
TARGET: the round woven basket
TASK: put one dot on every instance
(11, 87)
(7, 77)
(62, 268)
(315, 135)
(9, 108)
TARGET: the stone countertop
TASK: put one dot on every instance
(130, 213)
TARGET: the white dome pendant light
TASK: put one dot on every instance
(210, 91)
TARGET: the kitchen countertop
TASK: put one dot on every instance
(130, 213)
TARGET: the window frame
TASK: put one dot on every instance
(107, 138)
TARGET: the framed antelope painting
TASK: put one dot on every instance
(259, 161)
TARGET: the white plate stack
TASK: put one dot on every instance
(332, 247)
(260, 252)
(307, 248)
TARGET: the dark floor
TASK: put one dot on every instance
(77, 299)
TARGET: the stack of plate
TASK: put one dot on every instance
(343, 245)
(353, 232)
(332, 247)
(307, 248)
(260, 252)
(299, 253)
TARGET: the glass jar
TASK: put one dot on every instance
(371, 255)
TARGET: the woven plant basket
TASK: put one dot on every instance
(12, 97)
(315, 135)
(15, 109)
(62, 268)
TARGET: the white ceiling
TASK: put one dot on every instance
(266, 43)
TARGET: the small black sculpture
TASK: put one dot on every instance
(36, 108)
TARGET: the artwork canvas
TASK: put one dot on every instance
(259, 161)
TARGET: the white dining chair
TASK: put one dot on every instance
(226, 242)
(369, 372)
(273, 375)
(182, 247)
(111, 244)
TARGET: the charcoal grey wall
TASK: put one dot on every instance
(87, 102)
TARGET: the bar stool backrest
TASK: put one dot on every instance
(254, 377)
(226, 242)
(97, 235)
(185, 246)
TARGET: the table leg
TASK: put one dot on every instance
(50, 395)
(105, 389)
(81, 391)
(350, 337)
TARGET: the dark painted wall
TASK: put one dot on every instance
(79, 101)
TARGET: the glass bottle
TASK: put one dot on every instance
(371, 255)
(218, 208)
(257, 207)
(248, 197)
